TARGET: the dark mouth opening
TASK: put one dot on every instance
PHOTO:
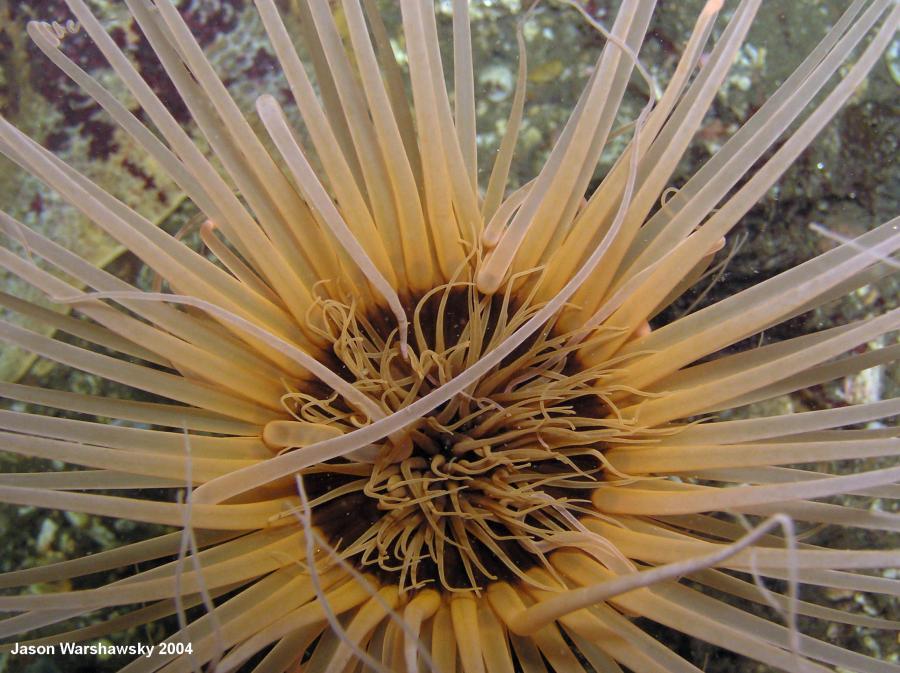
(494, 473)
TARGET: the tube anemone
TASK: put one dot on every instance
(416, 422)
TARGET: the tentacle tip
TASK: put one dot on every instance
(41, 31)
(715, 247)
(487, 281)
(267, 103)
(404, 339)
(713, 7)
(490, 239)
(202, 495)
